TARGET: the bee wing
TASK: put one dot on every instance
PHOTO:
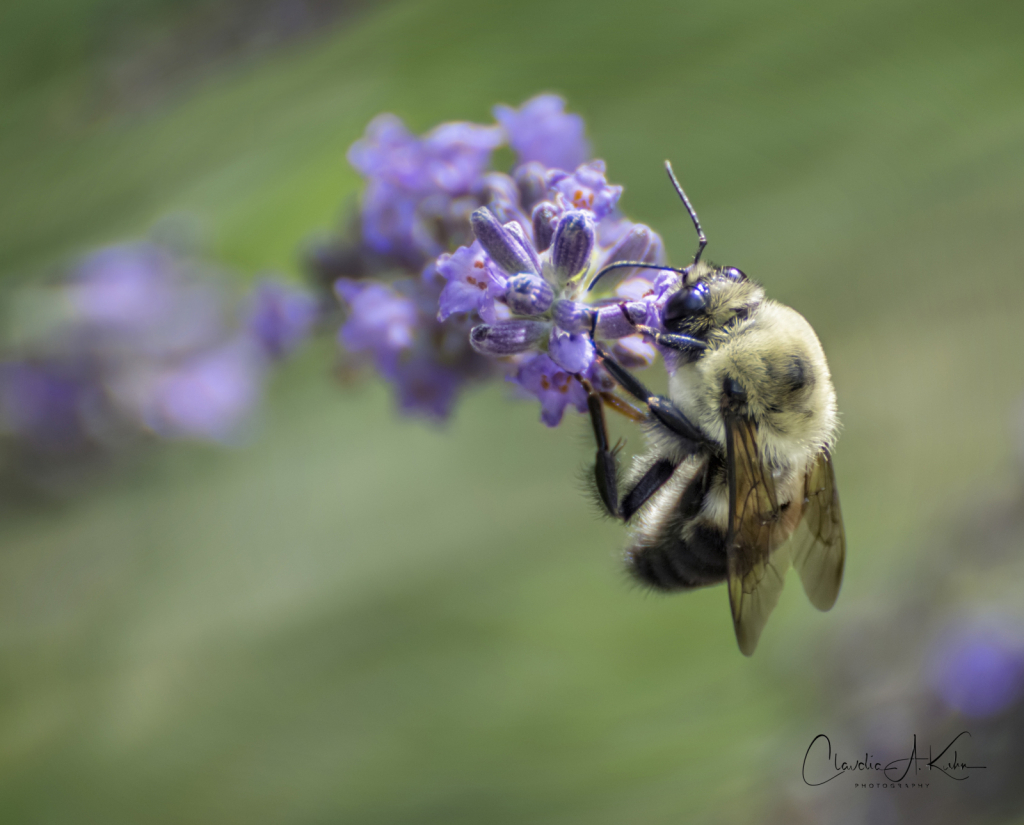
(819, 544)
(758, 555)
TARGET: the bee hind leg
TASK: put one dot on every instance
(606, 476)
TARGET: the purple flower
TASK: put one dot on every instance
(419, 189)
(586, 188)
(426, 387)
(139, 338)
(124, 288)
(427, 361)
(554, 387)
(573, 352)
(528, 294)
(977, 668)
(381, 322)
(517, 286)
(540, 130)
(208, 396)
(43, 404)
(138, 299)
(472, 283)
(280, 317)
(541, 272)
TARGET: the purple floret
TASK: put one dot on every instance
(426, 387)
(280, 317)
(540, 130)
(472, 283)
(585, 188)
(208, 396)
(978, 668)
(573, 352)
(381, 322)
(124, 288)
(417, 186)
(554, 387)
(43, 403)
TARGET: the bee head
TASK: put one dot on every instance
(711, 299)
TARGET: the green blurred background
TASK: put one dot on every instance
(363, 618)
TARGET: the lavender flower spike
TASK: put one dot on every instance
(505, 249)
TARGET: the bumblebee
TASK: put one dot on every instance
(738, 482)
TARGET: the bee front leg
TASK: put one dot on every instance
(606, 476)
(673, 340)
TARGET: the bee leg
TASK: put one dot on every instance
(673, 340)
(605, 471)
(661, 408)
(649, 483)
(606, 474)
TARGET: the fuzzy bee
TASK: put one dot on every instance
(738, 482)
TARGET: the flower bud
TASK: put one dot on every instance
(573, 316)
(633, 246)
(543, 220)
(572, 245)
(507, 337)
(515, 229)
(504, 249)
(531, 178)
(528, 294)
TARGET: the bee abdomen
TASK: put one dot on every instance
(676, 563)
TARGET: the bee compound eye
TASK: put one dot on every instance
(734, 391)
(685, 304)
(733, 274)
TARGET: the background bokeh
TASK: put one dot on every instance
(356, 617)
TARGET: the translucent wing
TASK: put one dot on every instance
(758, 529)
(819, 543)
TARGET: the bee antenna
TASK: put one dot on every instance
(702, 240)
(635, 265)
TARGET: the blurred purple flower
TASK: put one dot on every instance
(418, 189)
(280, 317)
(140, 338)
(382, 322)
(43, 404)
(427, 361)
(426, 387)
(540, 130)
(130, 299)
(209, 396)
(977, 667)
